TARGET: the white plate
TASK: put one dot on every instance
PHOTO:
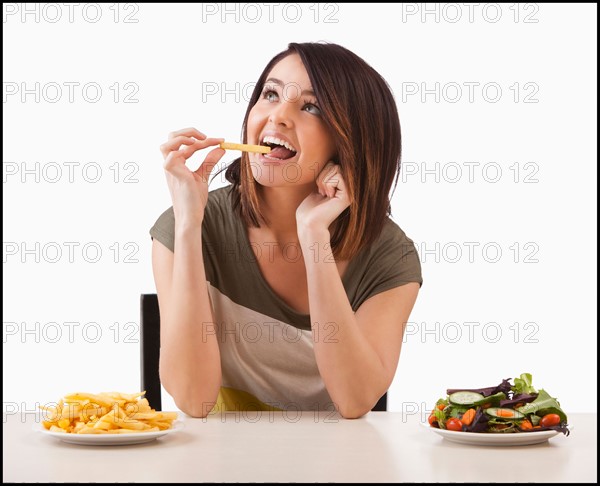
(487, 439)
(108, 439)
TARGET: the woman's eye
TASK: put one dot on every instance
(311, 108)
(270, 95)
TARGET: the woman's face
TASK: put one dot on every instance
(286, 117)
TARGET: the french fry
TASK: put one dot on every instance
(261, 149)
(91, 430)
(89, 397)
(133, 397)
(105, 413)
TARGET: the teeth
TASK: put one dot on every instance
(277, 141)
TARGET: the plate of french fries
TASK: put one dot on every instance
(108, 418)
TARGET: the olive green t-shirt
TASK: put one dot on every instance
(266, 346)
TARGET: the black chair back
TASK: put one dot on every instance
(150, 349)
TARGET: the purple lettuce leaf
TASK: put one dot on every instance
(520, 398)
(505, 387)
(559, 428)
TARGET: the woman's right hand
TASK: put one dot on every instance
(189, 189)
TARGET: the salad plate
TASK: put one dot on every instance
(506, 414)
(494, 439)
(108, 439)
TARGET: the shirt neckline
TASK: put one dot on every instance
(258, 274)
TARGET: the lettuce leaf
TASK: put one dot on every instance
(441, 418)
(518, 398)
(559, 428)
(523, 384)
(543, 405)
(496, 398)
(503, 387)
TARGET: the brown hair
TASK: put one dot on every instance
(358, 107)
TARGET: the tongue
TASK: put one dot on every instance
(282, 153)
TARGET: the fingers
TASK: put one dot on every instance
(187, 136)
(209, 163)
(175, 143)
(181, 145)
(199, 145)
(330, 180)
(187, 132)
(193, 144)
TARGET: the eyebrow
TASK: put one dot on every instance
(281, 84)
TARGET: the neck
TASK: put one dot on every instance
(278, 205)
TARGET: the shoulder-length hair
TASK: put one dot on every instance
(358, 107)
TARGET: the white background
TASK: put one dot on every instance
(531, 194)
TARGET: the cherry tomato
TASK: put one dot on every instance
(454, 424)
(549, 420)
(432, 420)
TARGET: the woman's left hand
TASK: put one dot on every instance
(321, 208)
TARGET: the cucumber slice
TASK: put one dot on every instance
(491, 399)
(504, 413)
(465, 398)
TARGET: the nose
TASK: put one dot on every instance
(281, 114)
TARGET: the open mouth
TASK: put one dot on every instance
(280, 149)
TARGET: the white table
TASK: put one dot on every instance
(276, 446)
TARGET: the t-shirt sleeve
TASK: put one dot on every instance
(164, 229)
(392, 261)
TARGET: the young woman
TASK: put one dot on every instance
(291, 287)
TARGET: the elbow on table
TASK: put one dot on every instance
(360, 406)
(353, 411)
(196, 410)
(353, 415)
(196, 405)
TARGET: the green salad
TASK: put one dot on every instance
(505, 408)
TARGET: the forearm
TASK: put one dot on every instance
(351, 369)
(190, 366)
